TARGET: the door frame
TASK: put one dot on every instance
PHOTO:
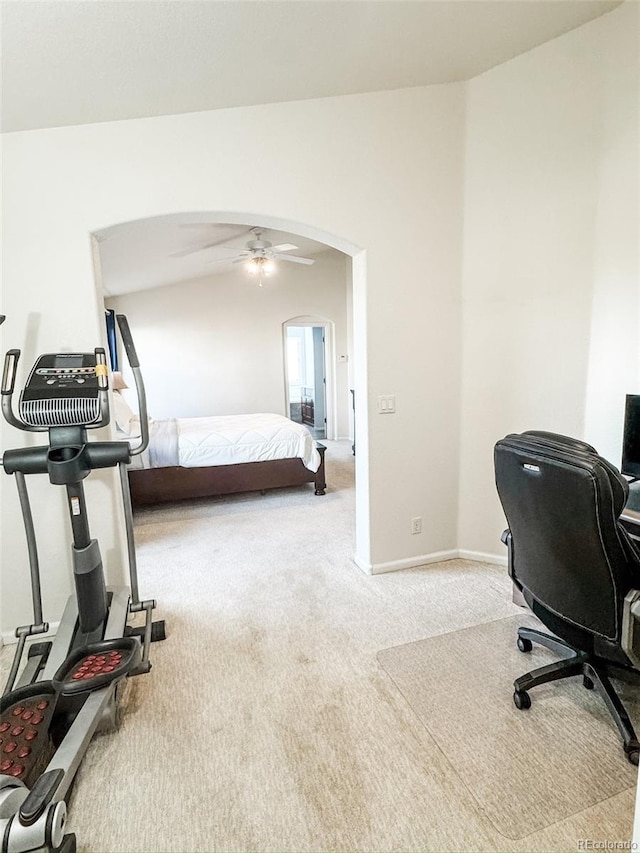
(329, 363)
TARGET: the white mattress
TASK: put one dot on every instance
(228, 440)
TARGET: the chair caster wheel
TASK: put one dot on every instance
(524, 645)
(587, 683)
(521, 700)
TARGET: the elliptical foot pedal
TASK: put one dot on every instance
(97, 665)
(25, 720)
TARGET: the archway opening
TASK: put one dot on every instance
(195, 235)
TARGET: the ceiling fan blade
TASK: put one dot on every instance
(283, 247)
(295, 259)
(184, 252)
(229, 260)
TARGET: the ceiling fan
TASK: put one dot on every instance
(260, 254)
(257, 250)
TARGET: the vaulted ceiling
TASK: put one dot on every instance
(67, 62)
(70, 62)
(162, 251)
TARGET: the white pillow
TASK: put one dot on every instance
(122, 413)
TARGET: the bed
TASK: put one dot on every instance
(221, 455)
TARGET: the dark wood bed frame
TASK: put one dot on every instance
(161, 485)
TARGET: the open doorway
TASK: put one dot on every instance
(196, 297)
(306, 377)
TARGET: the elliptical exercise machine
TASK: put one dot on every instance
(67, 688)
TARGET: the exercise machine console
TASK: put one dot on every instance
(67, 688)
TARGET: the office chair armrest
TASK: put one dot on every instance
(630, 640)
(507, 539)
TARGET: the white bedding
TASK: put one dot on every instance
(227, 440)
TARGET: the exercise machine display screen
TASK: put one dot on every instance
(68, 360)
(61, 370)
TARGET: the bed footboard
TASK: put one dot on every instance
(163, 485)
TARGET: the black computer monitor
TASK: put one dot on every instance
(631, 439)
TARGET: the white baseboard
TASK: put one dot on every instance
(406, 563)
(481, 557)
(426, 559)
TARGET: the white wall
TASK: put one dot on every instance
(549, 269)
(614, 345)
(214, 346)
(382, 172)
(550, 281)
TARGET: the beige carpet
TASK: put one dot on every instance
(526, 769)
(267, 723)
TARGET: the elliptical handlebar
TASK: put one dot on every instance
(10, 369)
(8, 383)
(127, 340)
(103, 386)
(132, 358)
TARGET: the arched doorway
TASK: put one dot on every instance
(357, 316)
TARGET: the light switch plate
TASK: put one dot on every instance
(387, 404)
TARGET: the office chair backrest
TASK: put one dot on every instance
(619, 485)
(562, 502)
(565, 440)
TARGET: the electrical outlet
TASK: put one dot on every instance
(416, 524)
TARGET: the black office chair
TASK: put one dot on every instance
(574, 562)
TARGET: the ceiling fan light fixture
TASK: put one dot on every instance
(261, 266)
